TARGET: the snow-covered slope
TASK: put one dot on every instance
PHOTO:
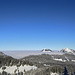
(11, 69)
(67, 50)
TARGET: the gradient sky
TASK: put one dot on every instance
(37, 24)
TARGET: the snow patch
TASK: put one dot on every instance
(11, 69)
(46, 65)
(59, 60)
(73, 60)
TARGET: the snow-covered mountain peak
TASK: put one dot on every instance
(46, 50)
(67, 50)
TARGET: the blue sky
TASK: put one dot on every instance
(37, 24)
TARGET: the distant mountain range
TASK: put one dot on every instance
(65, 50)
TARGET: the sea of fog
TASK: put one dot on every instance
(21, 54)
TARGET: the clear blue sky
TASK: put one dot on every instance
(37, 24)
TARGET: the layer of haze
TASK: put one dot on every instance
(37, 24)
